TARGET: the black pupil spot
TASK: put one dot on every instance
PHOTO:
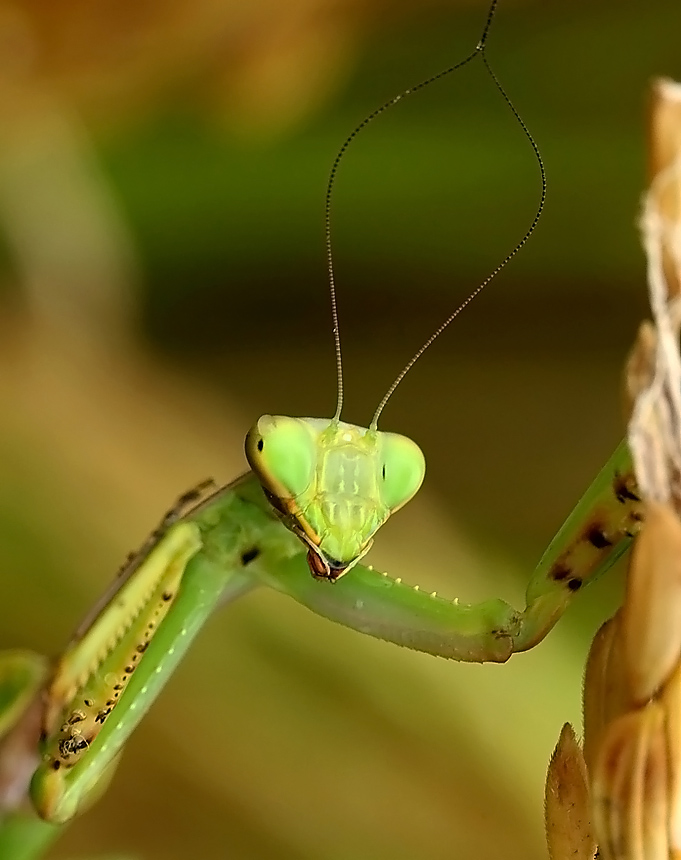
(384, 472)
(260, 444)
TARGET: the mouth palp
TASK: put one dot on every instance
(322, 568)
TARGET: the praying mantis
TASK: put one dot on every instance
(268, 529)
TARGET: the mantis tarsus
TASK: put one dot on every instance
(231, 542)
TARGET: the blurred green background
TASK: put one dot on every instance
(162, 170)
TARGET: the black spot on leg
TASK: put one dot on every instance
(597, 537)
(249, 555)
(56, 765)
(104, 713)
(167, 595)
(621, 489)
(575, 584)
(560, 571)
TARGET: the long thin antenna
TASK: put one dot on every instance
(479, 50)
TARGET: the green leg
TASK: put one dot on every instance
(595, 535)
(24, 836)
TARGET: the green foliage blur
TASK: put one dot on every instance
(191, 297)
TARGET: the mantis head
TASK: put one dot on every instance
(333, 484)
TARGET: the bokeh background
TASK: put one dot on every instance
(162, 284)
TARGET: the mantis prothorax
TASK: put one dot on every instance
(300, 523)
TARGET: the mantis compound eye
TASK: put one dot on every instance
(333, 484)
(281, 451)
(402, 472)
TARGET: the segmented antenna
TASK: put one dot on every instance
(478, 52)
(507, 259)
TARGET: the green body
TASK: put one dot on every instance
(334, 484)
(309, 511)
(226, 545)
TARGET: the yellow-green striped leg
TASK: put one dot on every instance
(228, 544)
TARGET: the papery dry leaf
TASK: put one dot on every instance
(665, 161)
(654, 432)
(665, 127)
(639, 367)
(671, 701)
(569, 834)
(651, 615)
(634, 760)
(629, 788)
(606, 692)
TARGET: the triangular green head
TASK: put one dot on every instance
(333, 484)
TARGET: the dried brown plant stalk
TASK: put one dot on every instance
(619, 796)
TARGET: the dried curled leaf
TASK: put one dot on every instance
(632, 696)
(651, 615)
(566, 808)
(665, 159)
(629, 788)
(639, 368)
(655, 426)
(671, 702)
(606, 691)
